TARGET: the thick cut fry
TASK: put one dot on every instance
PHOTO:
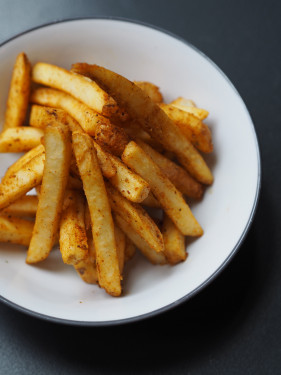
(165, 192)
(130, 249)
(177, 175)
(151, 201)
(22, 180)
(106, 163)
(174, 242)
(73, 239)
(102, 223)
(15, 230)
(41, 116)
(151, 90)
(120, 239)
(25, 206)
(82, 89)
(86, 268)
(153, 256)
(22, 161)
(58, 153)
(106, 134)
(191, 127)
(20, 139)
(137, 217)
(198, 112)
(150, 116)
(19, 93)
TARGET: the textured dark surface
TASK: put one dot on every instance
(234, 325)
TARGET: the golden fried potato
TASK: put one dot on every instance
(22, 180)
(165, 192)
(174, 242)
(100, 212)
(191, 127)
(15, 230)
(18, 97)
(151, 90)
(72, 232)
(20, 139)
(153, 256)
(182, 180)
(106, 134)
(22, 207)
(137, 217)
(150, 116)
(57, 142)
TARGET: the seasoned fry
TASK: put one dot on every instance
(130, 249)
(165, 192)
(74, 183)
(120, 239)
(106, 162)
(24, 206)
(73, 239)
(86, 268)
(177, 175)
(106, 134)
(150, 116)
(19, 93)
(22, 161)
(20, 139)
(174, 242)
(82, 89)
(41, 116)
(15, 230)
(22, 180)
(102, 223)
(153, 256)
(58, 153)
(151, 90)
(137, 217)
(191, 127)
(151, 201)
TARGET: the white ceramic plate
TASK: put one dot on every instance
(52, 290)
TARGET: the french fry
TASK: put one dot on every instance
(106, 134)
(22, 161)
(41, 116)
(22, 180)
(58, 153)
(82, 89)
(151, 201)
(165, 192)
(106, 162)
(151, 90)
(174, 242)
(24, 206)
(120, 239)
(74, 183)
(86, 268)
(153, 256)
(191, 127)
(102, 222)
(182, 180)
(15, 230)
(150, 116)
(72, 237)
(128, 183)
(19, 93)
(137, 217)
(20, 139)
(130, 249)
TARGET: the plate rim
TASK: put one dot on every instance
(243, 235)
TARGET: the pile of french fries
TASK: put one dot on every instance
(99, 149)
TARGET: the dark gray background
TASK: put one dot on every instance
(234, 325)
